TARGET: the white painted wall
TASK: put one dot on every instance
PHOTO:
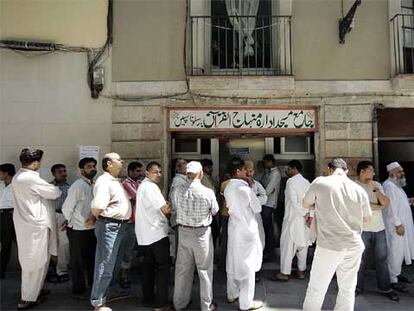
(45, 102)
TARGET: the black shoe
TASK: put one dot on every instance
(358, 291)
(44, 292)
(392, 295)
(399, 287)
(403, 279)
(62, 278)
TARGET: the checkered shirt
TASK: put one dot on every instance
(196, 204)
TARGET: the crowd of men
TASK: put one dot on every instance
(93, 226)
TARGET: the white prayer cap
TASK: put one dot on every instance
(194, 167)
(392, 166)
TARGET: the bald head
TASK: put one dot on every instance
(112, 163)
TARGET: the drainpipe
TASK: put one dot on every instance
(377, 106)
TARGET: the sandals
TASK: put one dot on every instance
(280, 277)
(24, 305)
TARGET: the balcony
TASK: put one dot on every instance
(402, 29)
(240, 46)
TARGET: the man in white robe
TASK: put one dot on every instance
(260, 192)
(399, 224)
(34, 220)
(295, 238)
(244, 248)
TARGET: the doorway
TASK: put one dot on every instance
(252, 149)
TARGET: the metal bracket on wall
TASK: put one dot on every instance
(346, 23)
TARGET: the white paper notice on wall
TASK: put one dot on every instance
(89, 152)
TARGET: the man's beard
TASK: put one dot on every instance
(400, 181)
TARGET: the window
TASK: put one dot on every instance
(191, 146)
(295, 144)
(237, 37)
(288, 147)
(230, 48)
(186, 146)
(407, 10)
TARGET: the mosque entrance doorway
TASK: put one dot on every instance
(395, 142)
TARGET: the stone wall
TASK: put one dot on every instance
(345, 112)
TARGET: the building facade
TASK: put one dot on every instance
(214, 79)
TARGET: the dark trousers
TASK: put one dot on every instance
(215, 229)
(82, 246)
(378, 242)
(223, 242)
(267, 218)
(156, 270)
(7, 236)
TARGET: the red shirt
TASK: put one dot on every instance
(131, 187)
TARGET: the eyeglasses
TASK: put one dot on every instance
(119, 160)
(155, 172)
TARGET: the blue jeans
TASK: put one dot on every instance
(127, 247)
(378, 242)
(108, 239)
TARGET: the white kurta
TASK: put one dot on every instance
(262, 196)
(295, 237)
(399, 213)
(244, 247)
(33, 217)
(294, 226)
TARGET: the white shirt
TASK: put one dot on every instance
(151, 225)
(77, 206)
(340, 205)
(376, 224)
(195, 204)
(260, 192)
(7, 198)
(110, 196)
(271, 182)
(178, 180)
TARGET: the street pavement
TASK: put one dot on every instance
(275, 295)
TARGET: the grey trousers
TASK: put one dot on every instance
(195, 248)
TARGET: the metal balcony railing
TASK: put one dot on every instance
(261, 47)
(403, 42)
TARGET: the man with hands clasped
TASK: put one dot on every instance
(373, 234)
(81, 227)
(151, 228)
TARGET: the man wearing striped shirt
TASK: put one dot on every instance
(196, 205)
